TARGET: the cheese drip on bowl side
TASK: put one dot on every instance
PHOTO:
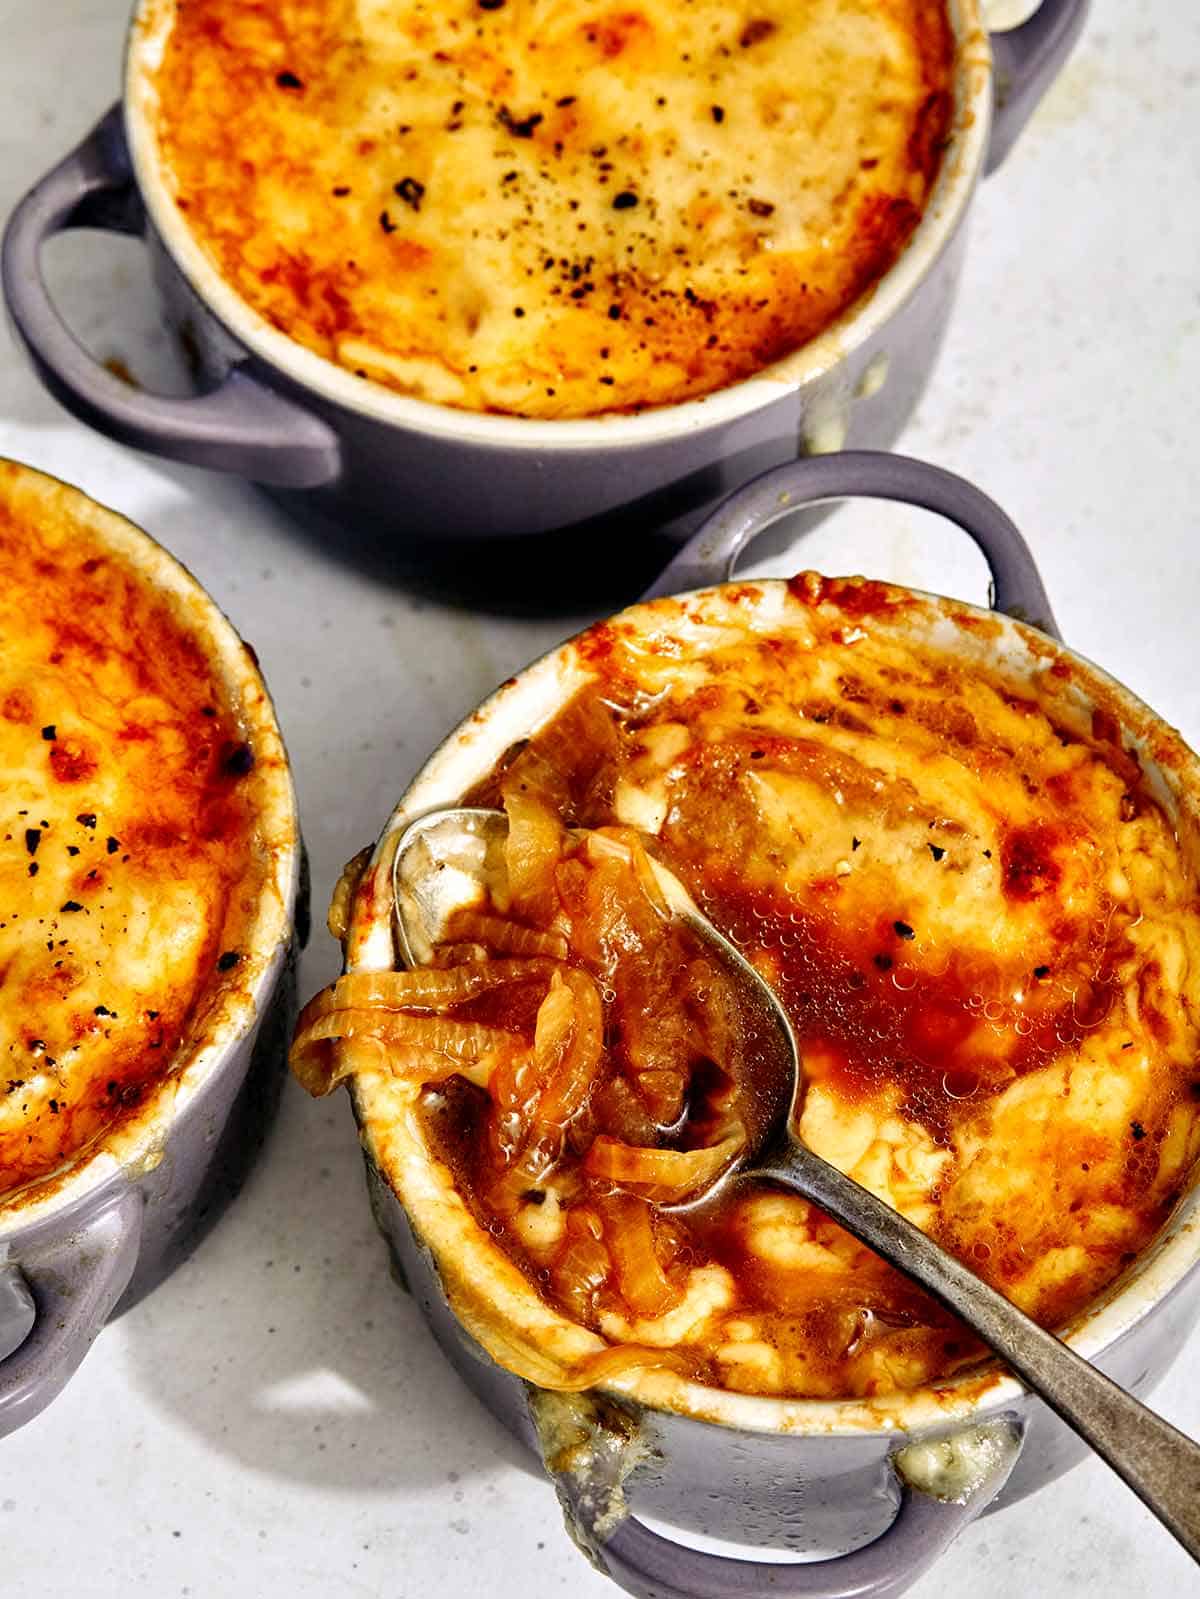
(974, 908)
(553, 208)
(129, 851)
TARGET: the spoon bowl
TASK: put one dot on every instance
(445, 861)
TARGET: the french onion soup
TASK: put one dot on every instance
(972, 904)
(131, 854)
(552, 208)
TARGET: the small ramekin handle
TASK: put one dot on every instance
(17, 1309)
(1025, 62)
(650, 1566)
(244, 426)
(74, 1285)
(710, 555)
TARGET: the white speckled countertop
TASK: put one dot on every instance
(275, 1418)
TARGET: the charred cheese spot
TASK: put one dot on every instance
(536, 209)
(111, 751)
(1030, 863)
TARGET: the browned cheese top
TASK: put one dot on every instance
(128, 859)
(553, 208)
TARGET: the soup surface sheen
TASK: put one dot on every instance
(553, 208)
(978, 917)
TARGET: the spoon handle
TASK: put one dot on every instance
(1158, 1462)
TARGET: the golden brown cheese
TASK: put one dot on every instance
(553, 208)
(983, 927)
(128, 867)
(978, 915)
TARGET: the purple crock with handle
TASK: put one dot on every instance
(109, 1229)
(878, 1487)
(275, 412)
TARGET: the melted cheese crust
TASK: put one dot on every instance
(554, 208)
(128, 866)
(985, 931)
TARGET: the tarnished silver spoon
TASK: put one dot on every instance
(444, 860)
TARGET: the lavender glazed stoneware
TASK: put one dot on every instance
(114, 1226)
(274, 412)
(876, 1488)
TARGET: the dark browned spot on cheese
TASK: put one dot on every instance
(71, 761)
(1029, 861)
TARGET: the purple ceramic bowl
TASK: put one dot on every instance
(878, 1487)
(273, 411)
(76, 1249)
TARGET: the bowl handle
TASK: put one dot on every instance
(53, 1305)
(1025, 62)
(709, 556)
(243, 426)
(650, 1566)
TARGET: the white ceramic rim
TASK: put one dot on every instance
(961, 166)
(136, 1147)
(528, 700)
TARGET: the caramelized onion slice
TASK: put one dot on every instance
(629, 1234)
(583, 1265)
(566, 1059)
(533, 795)
(620, 1359)
(663, 1176)
(425, 1048)
(625, 845)
(338, 919)
(350, 1055)
(581, 739)
(320, 1066)
(567, 1045)
(460, 954)
(502, 936)
(429, 988)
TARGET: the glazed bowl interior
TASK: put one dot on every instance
(490, 1297)
(960, 168)
(232, 1007)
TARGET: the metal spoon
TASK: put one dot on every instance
(443, 861)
